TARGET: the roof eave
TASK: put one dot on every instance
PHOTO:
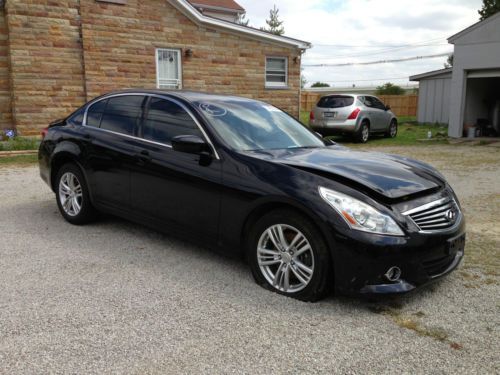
(418, 77)
(191, 12)
(472, 27)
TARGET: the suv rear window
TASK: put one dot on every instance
(336, 101)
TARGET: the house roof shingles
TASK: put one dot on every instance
(227, 4)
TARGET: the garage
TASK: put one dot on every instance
(466, 96)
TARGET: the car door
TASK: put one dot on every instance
(111, 125)
(383, 114)
(170, 186)
(374, 113)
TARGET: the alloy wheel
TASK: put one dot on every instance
(393, 129)
(70, 194)
(285, 258)
(365, 133)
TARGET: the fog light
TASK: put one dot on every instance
(393, 274)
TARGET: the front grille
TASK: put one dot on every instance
(435, 216)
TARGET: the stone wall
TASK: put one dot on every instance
(47, 80)
(5, 93)
(65, 52)
(120, 42)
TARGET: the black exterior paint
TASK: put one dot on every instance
(213, 200)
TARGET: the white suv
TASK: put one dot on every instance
(359, 115)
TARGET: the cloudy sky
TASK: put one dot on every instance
(353, 31)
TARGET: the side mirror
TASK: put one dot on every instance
(190, 144)
(387, 107)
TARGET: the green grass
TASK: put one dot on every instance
(20, 143)
(19, 160)
(409, 133)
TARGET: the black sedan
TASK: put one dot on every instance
(243, 176)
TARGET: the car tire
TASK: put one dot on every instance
(72, 195)
(303, 271)
(363, 134)
(393, 130)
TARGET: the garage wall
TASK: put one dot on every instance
(434, 100)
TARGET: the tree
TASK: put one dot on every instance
(389, 89)
(320, 84)
(242, 20)
(490, 7)
(274, 25)
(449, 62)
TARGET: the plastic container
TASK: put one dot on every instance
(471, 132)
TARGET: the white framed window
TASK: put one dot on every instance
(276, 71)
(168, 68)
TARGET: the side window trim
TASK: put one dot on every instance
(149, 96)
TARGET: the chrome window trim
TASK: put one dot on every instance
(431, 205)
(189, 112)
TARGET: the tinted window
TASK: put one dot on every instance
(165, 120)
(336, 101)
(378, 104)
(94, 114)
(77, 117)
(122, 113)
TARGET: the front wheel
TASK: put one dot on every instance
(393, 130)
(288, 255)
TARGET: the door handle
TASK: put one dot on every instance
(144, 156)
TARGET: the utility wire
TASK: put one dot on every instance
(368, 80)
(377, 62)
(378, 45)
(380, 51)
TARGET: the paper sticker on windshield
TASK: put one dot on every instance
(270, 108)
(212, 110)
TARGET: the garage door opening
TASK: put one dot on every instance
(482, 106)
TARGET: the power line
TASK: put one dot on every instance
(377, 62)
(378, 45)
(381, 51)
(368, 80)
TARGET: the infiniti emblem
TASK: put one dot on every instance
(450, 215)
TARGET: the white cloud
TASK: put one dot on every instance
(373, 24)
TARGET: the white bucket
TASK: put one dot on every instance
(471, 132)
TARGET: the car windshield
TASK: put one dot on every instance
(250, 125)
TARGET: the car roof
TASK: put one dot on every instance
(190, 96)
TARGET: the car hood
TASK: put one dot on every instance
(389, 175)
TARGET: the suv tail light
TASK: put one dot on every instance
(44, 132)
(354, 114)
(311, 115)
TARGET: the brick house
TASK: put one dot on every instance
(57, 54)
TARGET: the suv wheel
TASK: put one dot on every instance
(73, 196)
(393, 130)
(287, 255)
(363, 133)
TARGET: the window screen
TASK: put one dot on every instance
(122, 113)
(165, 120)
(276, 71)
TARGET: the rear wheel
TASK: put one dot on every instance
(363, 133)
(393, 130)
(73, 196)
(288, 255)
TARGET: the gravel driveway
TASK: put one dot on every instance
(114, 297)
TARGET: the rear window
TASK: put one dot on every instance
(336, 101)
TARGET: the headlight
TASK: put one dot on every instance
(359, 215)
